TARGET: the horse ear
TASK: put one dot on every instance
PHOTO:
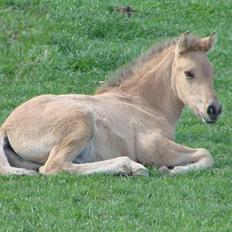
(210, 41)
(183, 43)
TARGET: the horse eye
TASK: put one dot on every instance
(188, 74)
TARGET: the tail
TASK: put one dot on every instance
(4, 164)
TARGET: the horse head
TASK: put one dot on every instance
(193, 74)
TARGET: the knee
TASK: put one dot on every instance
(205, 156)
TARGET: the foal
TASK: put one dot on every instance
(129, 122)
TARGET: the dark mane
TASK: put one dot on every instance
(128, 71)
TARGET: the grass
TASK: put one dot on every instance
(69, 47)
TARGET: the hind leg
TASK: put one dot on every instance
(72, 143)
(121, 165)
(61, 160)
(62, 155)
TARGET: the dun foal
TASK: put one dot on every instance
(128, 123)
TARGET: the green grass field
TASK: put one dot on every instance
(69, 46)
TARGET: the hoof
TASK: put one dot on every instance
(164, 171)
(178, 170)
(141, 172)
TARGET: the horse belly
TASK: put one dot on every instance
(111, 140)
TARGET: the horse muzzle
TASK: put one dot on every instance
(213, 111)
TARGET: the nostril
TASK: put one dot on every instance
(211, 111)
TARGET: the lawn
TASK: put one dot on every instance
(70, 46)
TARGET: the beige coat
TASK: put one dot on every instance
(129, 122)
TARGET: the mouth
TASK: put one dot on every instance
(205, 118)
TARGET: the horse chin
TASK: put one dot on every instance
(205, 118)
(208, 121)
(202, 116)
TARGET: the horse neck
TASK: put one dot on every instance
(154, 89)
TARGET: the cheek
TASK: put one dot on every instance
(194, 95)
(188, 93)
(183, 88)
